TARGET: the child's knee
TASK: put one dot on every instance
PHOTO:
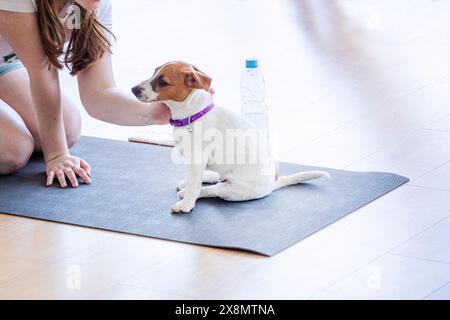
(16, 154)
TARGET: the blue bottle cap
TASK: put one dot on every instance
(251, 63)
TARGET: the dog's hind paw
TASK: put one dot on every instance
(182, 207)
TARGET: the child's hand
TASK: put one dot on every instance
(69, 167)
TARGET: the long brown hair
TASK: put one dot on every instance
(87, 43)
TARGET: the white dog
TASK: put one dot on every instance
(204, 133)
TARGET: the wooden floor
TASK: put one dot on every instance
(360, 85)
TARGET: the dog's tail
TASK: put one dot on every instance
(299, 177)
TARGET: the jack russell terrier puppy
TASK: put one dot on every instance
(196, 121)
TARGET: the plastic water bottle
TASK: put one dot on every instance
(253, 93)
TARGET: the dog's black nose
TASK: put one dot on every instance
(136, 90)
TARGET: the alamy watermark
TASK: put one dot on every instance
(229, 147)
(73, 280)
(72, 19)
(373, 280)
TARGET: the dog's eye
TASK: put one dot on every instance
(162, 83)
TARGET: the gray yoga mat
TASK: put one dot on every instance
(133, 188)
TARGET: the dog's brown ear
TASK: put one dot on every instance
(198, 80)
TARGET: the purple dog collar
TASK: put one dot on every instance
(191, 119)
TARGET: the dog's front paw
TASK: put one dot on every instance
(182, 207)
(181, 185)
(181, 193)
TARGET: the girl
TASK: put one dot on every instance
(34, 115)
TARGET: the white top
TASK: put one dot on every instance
(7, 55)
